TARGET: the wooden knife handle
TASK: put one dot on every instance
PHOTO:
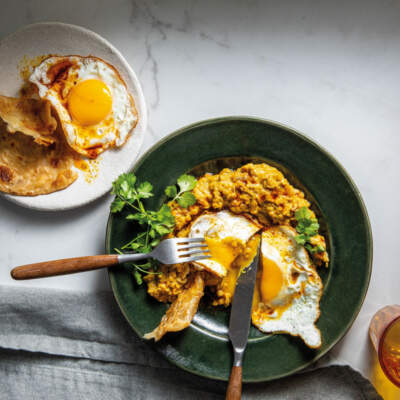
(234, 391)
(64, 266)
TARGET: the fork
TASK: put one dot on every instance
(169, 251)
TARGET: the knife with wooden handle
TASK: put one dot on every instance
(239, 323)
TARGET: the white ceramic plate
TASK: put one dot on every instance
(63, 39)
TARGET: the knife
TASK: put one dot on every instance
(239, 323)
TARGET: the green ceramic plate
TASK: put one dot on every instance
(203, 348)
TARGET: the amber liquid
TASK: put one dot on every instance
(385, 336)
(389, 353)
(383, 385)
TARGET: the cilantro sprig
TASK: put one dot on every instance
(129, 194)
(307, 227)
(184, 197)
(154, 224)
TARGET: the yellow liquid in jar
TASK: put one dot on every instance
(390, 352)
(390, 358)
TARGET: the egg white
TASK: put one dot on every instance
(123, 114)
(295, 309)
(222, 224)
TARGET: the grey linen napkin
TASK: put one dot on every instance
(72, 345)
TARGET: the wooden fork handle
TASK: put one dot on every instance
(234, 391)
(64, 266)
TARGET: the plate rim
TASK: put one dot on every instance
(140, 97)
(369, 238)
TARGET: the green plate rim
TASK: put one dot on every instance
(369, 242)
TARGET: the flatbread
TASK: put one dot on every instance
(29, 116)
(30, 169)
(182, 310)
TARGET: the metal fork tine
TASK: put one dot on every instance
(193, 246)
(181, 241)
(199, 251)
(173, 251)
(194, 258)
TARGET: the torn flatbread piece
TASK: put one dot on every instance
(182, 310)
(29, 116)
(29, 169)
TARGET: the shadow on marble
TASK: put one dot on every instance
(31, 216)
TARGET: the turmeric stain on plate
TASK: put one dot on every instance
(26, 66)
(88, 168)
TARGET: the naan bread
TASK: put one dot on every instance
(29, 116)
(182, 310)
(30, 169)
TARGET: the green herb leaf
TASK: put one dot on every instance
(155, 224)
(186, 199)
(307, 227)
(300, 239)
(117, 205)
(186, 182)
(310, 248)
(171, 191)
(152, 233)
(144, 190)
(136, 246)
(312, 229)
(145, 249)
(166, 216)
(130, 178)
(303, 213)
(155, 242)
(139, 217)
(123, 186)
(138, 277)
(161, 230)
(314, 249)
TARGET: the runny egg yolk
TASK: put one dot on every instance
(223, 251)
(234, 256)
(89, 102)
(271, 280)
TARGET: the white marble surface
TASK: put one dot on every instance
(327, 68)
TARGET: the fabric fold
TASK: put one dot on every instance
(73, 324)
(66, 344)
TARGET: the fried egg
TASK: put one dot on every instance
(92, 102)
(226, 235)
(288, 289)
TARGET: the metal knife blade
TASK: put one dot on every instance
(239, 322)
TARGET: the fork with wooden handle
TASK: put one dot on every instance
(169, 251)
